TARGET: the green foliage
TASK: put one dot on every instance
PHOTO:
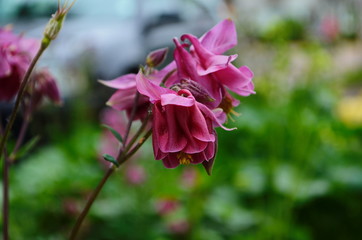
(284, 30)
(114, 132)
(111, 159)
(291, 170)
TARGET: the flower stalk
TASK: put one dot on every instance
(123, 156)
(50, 33)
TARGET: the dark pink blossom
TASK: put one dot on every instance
(46, 86)
(16, 53)
(183, 129)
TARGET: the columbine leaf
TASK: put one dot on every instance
(111, 159)
(114, 132)
(27, 147)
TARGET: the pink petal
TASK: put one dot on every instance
(186, 124)
(173, 99)
(171, 161)
(122, 82)
(147, 88)
(172, 79)
(211, 115)
(221, 37)
(5, 68)
(186, 64)
(208, 62)
(172, 139)
(237, 80)
(122, 99)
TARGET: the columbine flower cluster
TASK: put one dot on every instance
(189, 97)
(16, 53)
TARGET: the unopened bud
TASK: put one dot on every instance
(155, 58)
(53, 28)
(54, 25)
(200, 94)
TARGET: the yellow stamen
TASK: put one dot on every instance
(227, 107)
(184, 158)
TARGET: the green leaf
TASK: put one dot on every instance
(26, 148)
(114, 132)
(111, 159)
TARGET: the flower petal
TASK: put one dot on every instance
(237, 80)
(173, 99)
(149, 89)
(221, 37)
(208, 62)
(122, 82)
(171, 161)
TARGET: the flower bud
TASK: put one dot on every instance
(195, 88)
(155, 58)
(52, 28)
(55, 23)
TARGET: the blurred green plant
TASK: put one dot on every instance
(292, 170)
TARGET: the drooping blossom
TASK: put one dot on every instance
(189, 98)
(183, 129)
(16, 53)
(45, 86)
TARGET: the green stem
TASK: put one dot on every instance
(130, 121)
(122, 157)
(168, 75)
(20, 96)
(6, 162)
(139, 144)
(138, 133)
(90, 201)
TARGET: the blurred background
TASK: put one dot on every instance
(291, 170)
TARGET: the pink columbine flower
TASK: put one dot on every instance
(16, 53)
(183, 129)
